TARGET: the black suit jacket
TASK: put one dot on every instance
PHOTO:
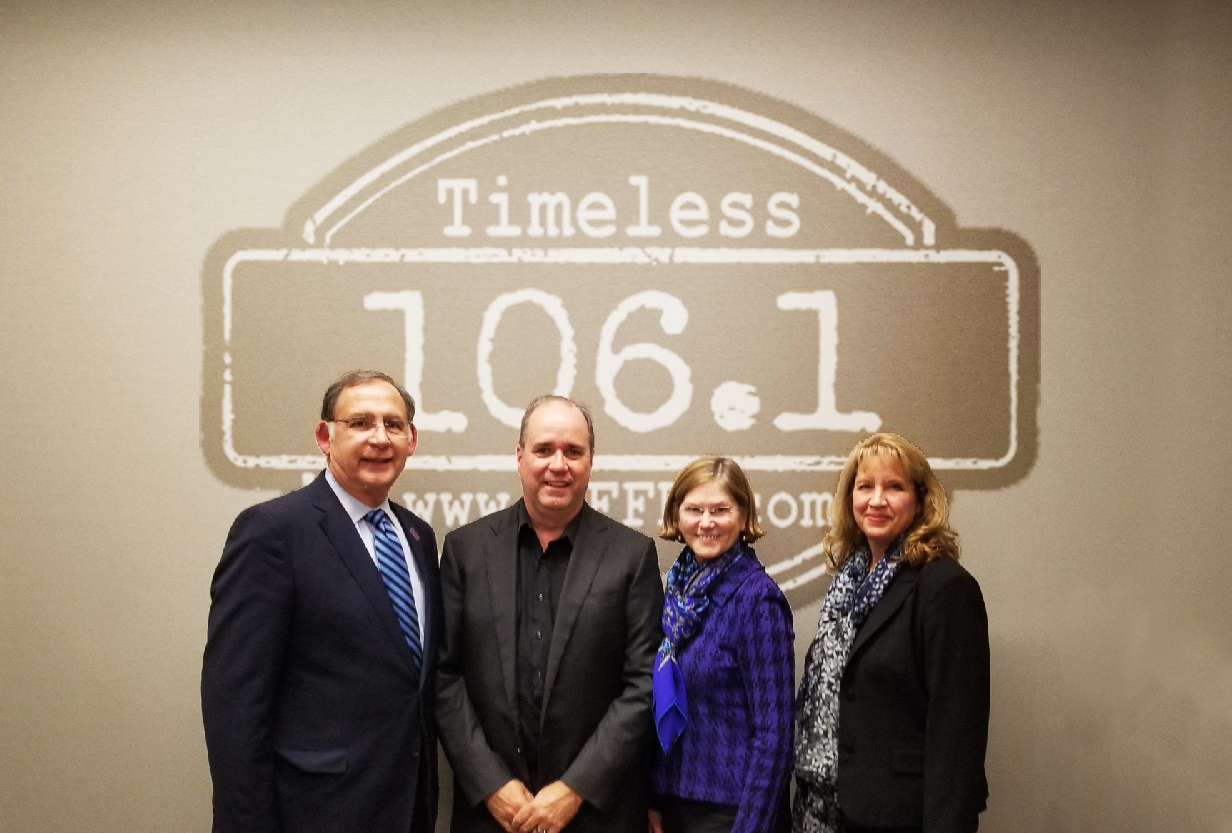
(596, 709)
(314, 718)
(913, 705)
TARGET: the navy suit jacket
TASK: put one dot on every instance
(314, 717)
(595, 722)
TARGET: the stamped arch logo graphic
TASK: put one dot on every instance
(710, 269)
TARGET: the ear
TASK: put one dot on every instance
(323, 438)
(412, 439)
(519, 453)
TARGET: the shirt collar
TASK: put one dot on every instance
(570, 533)
(354, 507)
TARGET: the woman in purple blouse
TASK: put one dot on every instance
(723, 678)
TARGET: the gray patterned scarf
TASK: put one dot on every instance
(851, 597)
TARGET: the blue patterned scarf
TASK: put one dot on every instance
(685, 600)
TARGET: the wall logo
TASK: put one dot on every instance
(710, 269)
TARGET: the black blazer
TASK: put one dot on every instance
(596, 708)
(913, 705)
(314, 720)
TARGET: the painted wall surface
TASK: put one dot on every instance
(136, 136)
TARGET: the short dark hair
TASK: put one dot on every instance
(552, 397)
(358, 377)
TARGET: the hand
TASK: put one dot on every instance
(549, 811)
(656, 821)
(506, 802)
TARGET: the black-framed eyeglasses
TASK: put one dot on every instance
(395, 427)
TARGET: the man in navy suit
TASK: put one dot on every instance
(318, 680)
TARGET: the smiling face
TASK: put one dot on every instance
(366, 463)
(709, 520)
(884, 502)
(554, 462)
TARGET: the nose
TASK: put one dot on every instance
(379, 435)
(557, 461)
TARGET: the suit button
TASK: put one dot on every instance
(538, 634)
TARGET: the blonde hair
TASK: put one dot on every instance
(929, 535)
(701, 471)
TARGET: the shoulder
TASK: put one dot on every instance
(616, 534)
(945, 574)
(947, 592)
(273, 529)
(482, 528)
(291, 507)
(752, 586)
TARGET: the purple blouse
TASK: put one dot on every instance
(739, 674)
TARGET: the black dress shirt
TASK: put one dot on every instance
(541, 575)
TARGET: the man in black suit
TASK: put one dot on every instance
(551, 626)
(317, 686)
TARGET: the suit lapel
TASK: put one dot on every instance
(500, 560)
(583, 564)
(341, 532)
(895, 596)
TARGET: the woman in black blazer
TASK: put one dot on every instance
(892, 715)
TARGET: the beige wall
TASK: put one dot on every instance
(132, 136)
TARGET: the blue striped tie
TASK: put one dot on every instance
(391, 563)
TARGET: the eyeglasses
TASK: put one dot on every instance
(395, 427)
(696, 513)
